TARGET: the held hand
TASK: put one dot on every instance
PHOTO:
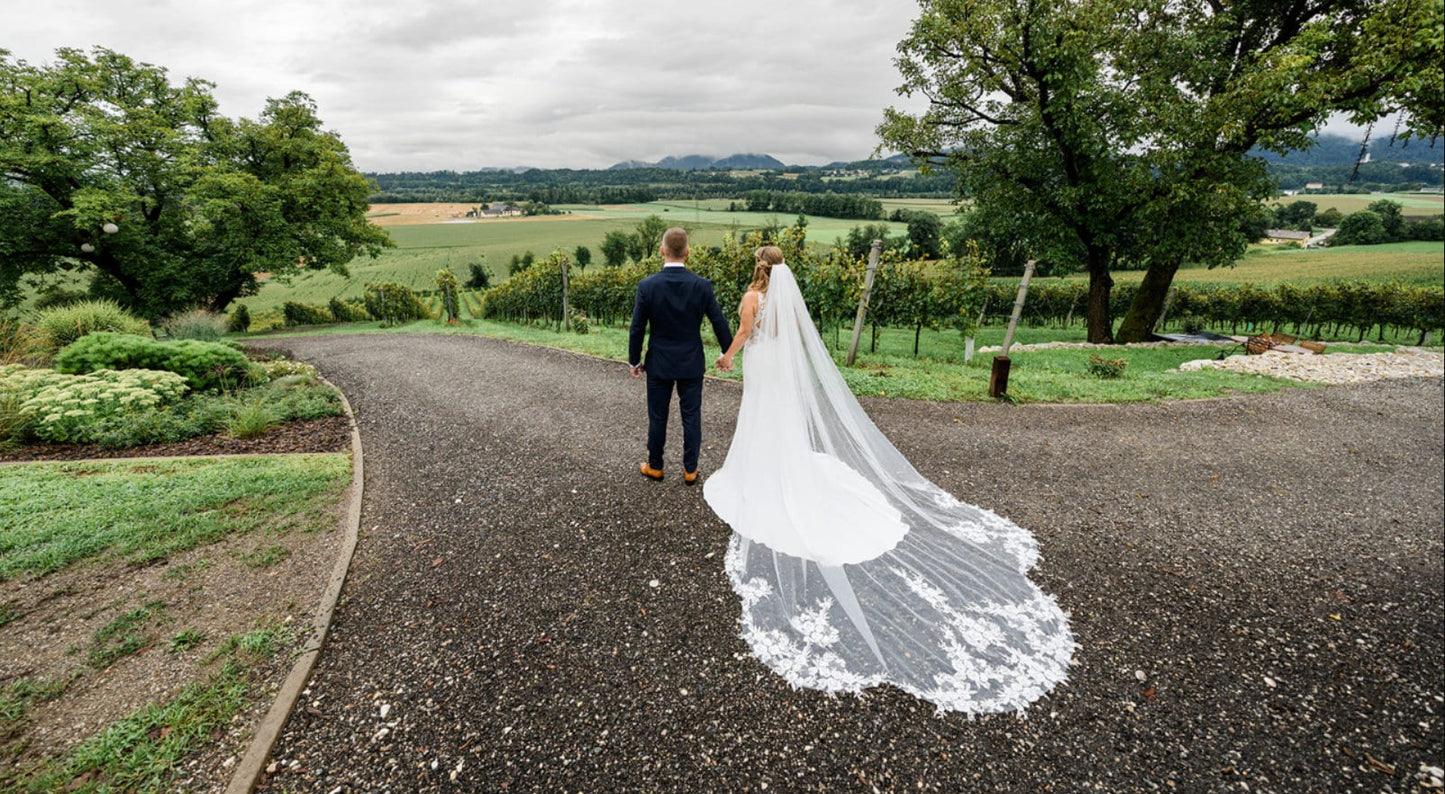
(636, 371)
(725, 363)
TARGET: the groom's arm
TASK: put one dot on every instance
(718, 319)
(637, 331)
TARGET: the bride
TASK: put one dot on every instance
(853, 569)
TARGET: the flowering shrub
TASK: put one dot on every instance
(284, 367)
(77, 408)
(209, 366)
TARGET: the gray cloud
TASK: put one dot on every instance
(557, 83)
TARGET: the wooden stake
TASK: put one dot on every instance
(863, 301)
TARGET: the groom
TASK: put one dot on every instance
(673, 302)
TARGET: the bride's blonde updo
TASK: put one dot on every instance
(766, 256)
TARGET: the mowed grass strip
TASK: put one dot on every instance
(53, 515)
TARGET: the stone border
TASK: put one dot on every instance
(252, 765)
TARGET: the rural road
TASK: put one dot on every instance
(1257, 587)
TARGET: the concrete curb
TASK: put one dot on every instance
(248, 772)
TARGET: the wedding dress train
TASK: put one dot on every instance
(853, 569)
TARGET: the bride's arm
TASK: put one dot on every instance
(747, 310)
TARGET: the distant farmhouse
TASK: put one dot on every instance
(1286, 236)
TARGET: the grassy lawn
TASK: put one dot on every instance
(1419, 263)
(1416, 205)
(939, 372)
(53, 515)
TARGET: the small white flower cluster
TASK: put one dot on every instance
(283, 367)
(71, 408)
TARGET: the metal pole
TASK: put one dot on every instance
(863, 300)
(998, 379)
(566, 301)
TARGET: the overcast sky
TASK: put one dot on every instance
(422, 84)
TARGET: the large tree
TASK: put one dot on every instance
(1119, 131)
(107, 167)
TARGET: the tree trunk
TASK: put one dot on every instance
(917, 331)
(1100, 323)
(1148, 303)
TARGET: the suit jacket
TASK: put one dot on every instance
(673, 303)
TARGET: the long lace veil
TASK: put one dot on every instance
(855, 570)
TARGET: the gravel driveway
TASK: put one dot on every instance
(1256, 584)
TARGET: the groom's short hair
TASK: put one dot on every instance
(674, 242)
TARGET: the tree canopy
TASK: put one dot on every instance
(109, 168)
(1121, 130)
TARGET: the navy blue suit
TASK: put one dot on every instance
(670, 307)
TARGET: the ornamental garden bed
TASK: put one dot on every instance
(149, 608)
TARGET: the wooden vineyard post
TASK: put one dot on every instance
(998, 379)
(566, 299)
(863, 300)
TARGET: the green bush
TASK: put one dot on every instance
(62, 325)
(240, 321)
(197, 324)
(1106, 368)
(58, 296)
(580, 323)
(206, 366)
(78, 408)
(392, 303)
(305, 314)
(346, 311)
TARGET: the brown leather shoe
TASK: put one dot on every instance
(651, 473)
(689, 477)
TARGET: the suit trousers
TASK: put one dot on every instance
(689, 403)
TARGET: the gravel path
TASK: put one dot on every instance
(1257, 587)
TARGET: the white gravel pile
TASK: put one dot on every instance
(1337, 368)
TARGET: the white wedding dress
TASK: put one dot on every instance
(854, 570)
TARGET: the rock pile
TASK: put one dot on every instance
(1337, 368)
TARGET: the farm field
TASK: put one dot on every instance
(429, 238)
(1416, 205)
(424, 248)
(1418, 263)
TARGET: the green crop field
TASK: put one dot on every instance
(1416, 205)
(426, 248)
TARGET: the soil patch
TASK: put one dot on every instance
(214, 591)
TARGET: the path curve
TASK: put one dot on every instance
(1255, 585)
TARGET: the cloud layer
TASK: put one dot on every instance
(427, 85)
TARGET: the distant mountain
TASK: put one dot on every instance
(764, 161)
(694, 162)
(1339, 150)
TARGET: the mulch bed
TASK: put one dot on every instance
(328, 434)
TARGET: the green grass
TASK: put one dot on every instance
(144, 751)
(1422, 205)
(265, 557)
(1418, 263)
(53, 515)
(124, 635)
(186, 640)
